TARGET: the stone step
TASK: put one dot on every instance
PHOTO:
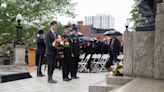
(102, 87)
(115, 89)
(118, 80)
(143, 85)
(6, 76)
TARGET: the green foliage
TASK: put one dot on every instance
(136, 16)
(60, 29)
(36, 14)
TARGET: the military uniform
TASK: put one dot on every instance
(75, 46)
(66, 64)
(40, 51)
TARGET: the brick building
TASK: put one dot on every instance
(86, 31)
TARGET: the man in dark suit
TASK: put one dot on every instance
(90, 50)
(114, 49)
(51, 51)
(40, 51)
(98, 46)
(75, 44)
(84, 47)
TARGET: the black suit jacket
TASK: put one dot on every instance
(49, 39)
(41, 47)
(116, 47)
(75, 45)
(98, 47)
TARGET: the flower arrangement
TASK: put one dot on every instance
(61, 43)
(117, 69)
(65, 43)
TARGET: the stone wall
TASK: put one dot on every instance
(139, 54)
(144, 50)
(159, 43)
(143, 54)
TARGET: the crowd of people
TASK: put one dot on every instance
(68, 56)
(112, 46)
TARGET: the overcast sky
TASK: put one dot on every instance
(119, 9)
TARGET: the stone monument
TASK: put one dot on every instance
(147, 8)
(159, 43)
(144, 50)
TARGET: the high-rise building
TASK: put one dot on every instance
(100, 21)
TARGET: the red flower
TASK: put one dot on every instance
(109, 69)
(65, 40)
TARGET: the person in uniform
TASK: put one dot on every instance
(75, 45)
(66, 64)
(40, 51)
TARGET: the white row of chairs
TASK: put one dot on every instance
(97, 64)
(83, 62)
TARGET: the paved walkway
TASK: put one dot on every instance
(36, 84)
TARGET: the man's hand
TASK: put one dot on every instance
(53, 44)
(72, 55)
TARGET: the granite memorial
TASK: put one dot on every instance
(146, 50)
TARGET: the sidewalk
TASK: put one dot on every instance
(40, 84)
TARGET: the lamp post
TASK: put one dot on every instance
(19, 29)
(127, 25)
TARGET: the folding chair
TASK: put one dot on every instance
(82, 56)
(97, 58)
(83, 63)
(94, 57)
(102, 62)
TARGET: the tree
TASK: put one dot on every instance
(136, 16)
(36, 14)
(60, 28)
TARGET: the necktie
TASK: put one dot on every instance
(54, 35)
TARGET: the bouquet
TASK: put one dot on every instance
(66, 43)
(59, 42)
(117, 69)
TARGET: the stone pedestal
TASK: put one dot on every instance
(139, 54)
(19, 70)
(118, 80)
(159, 43)
(143, 54)
(128, 53)
(20, 55)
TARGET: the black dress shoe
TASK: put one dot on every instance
(41, 75)
(69, 78)
(66, 79)
(75, 77)
(52, 81)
